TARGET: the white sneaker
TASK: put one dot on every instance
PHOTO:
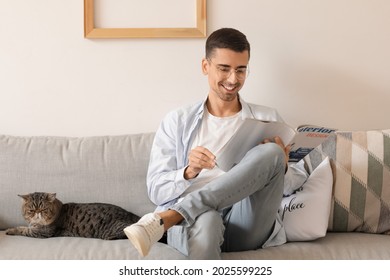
(145, 233)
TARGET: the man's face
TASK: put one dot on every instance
(226, 71)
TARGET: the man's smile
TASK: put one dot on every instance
(229, 87)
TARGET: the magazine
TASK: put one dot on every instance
(252, 132)
(306, 139)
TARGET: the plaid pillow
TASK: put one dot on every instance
(361, 189)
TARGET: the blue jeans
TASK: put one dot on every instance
(235, 212)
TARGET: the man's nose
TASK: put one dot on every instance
(232, 77)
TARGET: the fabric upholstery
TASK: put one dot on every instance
(108, 169)
(361, 188)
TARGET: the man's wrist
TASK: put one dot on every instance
(189, 173)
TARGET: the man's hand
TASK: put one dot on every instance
(277, 140)
(199, 158)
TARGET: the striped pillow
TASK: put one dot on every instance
(361, 189)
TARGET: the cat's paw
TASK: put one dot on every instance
(12, 231)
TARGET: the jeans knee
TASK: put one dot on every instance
(272, 153)
(279, 153)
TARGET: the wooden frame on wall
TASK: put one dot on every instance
(90, 31)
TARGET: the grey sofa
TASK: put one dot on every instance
(112, 169)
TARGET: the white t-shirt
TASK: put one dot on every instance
(213, 134)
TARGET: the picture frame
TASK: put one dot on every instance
(92, 32)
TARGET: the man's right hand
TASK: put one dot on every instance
(199, 158)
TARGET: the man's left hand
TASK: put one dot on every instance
(277, 140)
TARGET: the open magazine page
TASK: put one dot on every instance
(251, 133)
(306, 139)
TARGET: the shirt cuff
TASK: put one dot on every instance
(180, 181)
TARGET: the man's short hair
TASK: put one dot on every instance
(226, 38)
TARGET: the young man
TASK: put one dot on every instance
(204, 209)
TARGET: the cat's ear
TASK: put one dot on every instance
(51, 197)
(24, 196)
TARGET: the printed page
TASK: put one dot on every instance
(251, 133)
(307, 138)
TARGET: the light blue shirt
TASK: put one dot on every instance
(171, 146)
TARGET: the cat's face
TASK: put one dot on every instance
(40, 208)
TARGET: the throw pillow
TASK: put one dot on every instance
(295, 177)
(361, 190)
(305, 213)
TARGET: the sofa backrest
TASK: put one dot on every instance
(110, 169)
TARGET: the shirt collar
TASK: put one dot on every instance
(246, 111)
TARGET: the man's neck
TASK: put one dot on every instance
(220, 108)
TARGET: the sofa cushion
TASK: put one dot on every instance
(334, 246)
(78, 248)
(305, 213)
(110, 169)
(361, 189)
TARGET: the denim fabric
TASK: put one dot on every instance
(245, 200)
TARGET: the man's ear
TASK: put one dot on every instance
(205, 66)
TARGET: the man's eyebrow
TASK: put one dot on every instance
(228, 66)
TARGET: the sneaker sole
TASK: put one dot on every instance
(136, 236)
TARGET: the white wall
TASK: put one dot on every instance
(322, 62)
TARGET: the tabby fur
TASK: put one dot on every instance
(49, 217)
